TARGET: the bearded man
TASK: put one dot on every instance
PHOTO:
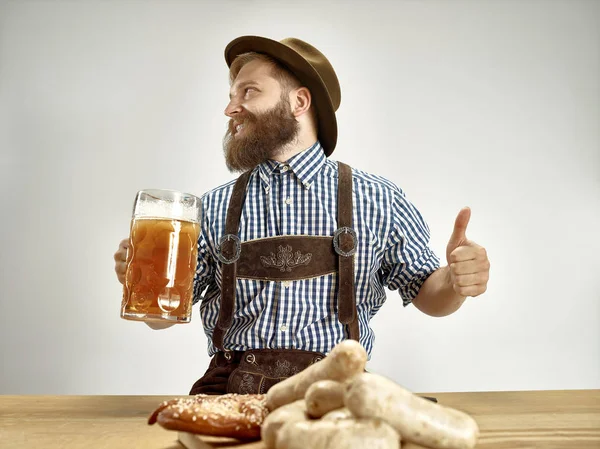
(295, 254)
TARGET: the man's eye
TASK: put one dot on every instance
(248, 89)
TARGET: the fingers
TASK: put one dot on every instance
(121, 269)
(124, 246)
(470, 267)
(466, 280)
(471, 290)
(468, 252)
(121, 260)
(470, 278)
(460, 226)
(121, 254)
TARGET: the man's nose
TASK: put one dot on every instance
(233, 108)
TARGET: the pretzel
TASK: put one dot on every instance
(230, 415)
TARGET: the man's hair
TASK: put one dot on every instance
(286, 79)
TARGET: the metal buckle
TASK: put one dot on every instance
(336, 241)
(238, 248)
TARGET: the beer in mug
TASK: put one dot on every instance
(162, 257)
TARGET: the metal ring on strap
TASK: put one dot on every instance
(238, 248)
(336, 241)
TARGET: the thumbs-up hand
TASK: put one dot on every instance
(469, 267)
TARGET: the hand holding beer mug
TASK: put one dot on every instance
(162, 257)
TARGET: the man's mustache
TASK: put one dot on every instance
(248, 117)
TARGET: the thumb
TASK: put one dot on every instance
(460, 226)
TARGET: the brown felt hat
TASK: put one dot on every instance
(312, 69)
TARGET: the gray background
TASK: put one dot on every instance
(491, 104)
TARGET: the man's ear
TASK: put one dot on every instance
(300, 101)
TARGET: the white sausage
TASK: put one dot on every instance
(346, 360)
(324, 396)
(417, 419)
(296, 411)
(346, 434)
(337, 415)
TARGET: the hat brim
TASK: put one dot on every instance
(308, 76)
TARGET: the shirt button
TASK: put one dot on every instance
(288, 201)
(283, 328)
(267, 189)
(285, 168)
(286, 284)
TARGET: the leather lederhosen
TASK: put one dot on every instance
(281, 258)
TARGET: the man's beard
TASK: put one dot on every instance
(264, 136)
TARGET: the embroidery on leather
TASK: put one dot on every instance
(285, 259)
(282, 368)
(247, 384)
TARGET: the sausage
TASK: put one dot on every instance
(324, 396)
(346, 360)
(409, 445)
(418, 420)
(346, 434)
(295, 411)
(337, 415)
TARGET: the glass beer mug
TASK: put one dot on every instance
(162, 257)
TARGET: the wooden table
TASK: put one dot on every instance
(516, 420)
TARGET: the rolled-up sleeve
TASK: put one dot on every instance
(408, 260)
(204, 275)
(204, 270)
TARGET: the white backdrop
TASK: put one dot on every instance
(491, 104)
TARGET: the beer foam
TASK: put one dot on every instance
(167, 204)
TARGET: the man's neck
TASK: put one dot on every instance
(297, 146)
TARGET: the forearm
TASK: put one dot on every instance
(157, 325)
(436, 296)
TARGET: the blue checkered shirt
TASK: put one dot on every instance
(299, 197)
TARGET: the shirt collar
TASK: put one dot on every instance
(305, 165)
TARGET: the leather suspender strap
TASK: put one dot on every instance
(228, 253)
(345, 245)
